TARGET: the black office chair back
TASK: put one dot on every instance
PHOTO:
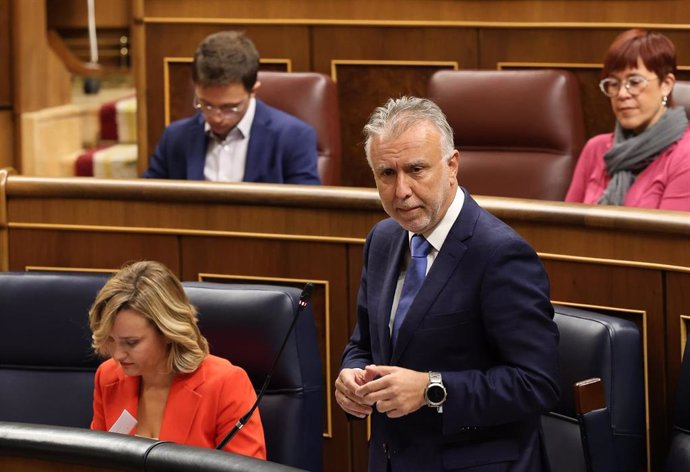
(46, 360)
(247, 324)
(610, 436)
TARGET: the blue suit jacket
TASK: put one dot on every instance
(483, 318)
(282, 149)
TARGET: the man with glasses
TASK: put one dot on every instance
(234, 137)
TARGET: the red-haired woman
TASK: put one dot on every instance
(645, 162)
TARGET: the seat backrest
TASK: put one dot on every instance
(678, 458)
(680, 97)
(46, 360)
(610, 348)
(311, 97)
(247, 324)
(519, 132)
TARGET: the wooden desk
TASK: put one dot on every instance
(628, 262)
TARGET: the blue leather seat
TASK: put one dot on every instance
(47, 363)
(610, 434)
(678, 458)
(248, 324)
(46, 360)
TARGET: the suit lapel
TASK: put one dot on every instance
(395, 256)
(260, 144)
(196, 155)
(119, 396)
(182, 405)
(446, 262)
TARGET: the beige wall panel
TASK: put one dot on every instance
(51, 140)
(7, 155)
(645, 11)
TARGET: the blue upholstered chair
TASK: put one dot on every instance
(599, 422)
(678, 458)
(47, 363)
(46, 360)
(247, 324)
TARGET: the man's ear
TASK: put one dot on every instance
(454, 163)
(256, 86)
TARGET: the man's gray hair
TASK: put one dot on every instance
(400, 114)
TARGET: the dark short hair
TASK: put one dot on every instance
(657, 52)
(226, 57)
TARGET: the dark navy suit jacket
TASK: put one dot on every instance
(483, 318)
(282, 149)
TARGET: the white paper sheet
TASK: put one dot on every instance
(124, 424)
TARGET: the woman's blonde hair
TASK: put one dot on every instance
(151, 289)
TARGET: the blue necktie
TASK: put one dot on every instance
(414, 277)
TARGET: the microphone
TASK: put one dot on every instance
(303, 302)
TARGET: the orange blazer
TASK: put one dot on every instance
(201, 409)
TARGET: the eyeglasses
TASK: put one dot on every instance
(226, 111)
(634, 84)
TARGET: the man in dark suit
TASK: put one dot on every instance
(454, 374)
(235, 136)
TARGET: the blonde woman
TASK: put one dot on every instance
(160, 380)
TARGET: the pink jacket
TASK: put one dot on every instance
(664, 184)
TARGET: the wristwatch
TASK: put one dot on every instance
(435, 393)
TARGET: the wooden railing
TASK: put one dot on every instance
(626, 262)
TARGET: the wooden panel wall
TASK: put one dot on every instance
(6, 139)
(40, 80)
(631, 263)
(5, 51)
(640, 11)
(391, 49)
(6, 116)
(74, 13)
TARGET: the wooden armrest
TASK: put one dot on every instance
(589, 395)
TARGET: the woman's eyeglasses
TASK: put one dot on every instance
(634, 84)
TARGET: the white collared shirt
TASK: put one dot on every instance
(436, 238)
(226, 159)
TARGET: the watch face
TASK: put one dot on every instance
(435, 394)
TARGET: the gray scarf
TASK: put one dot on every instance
(631, 154)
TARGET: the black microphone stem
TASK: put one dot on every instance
(304, 298)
